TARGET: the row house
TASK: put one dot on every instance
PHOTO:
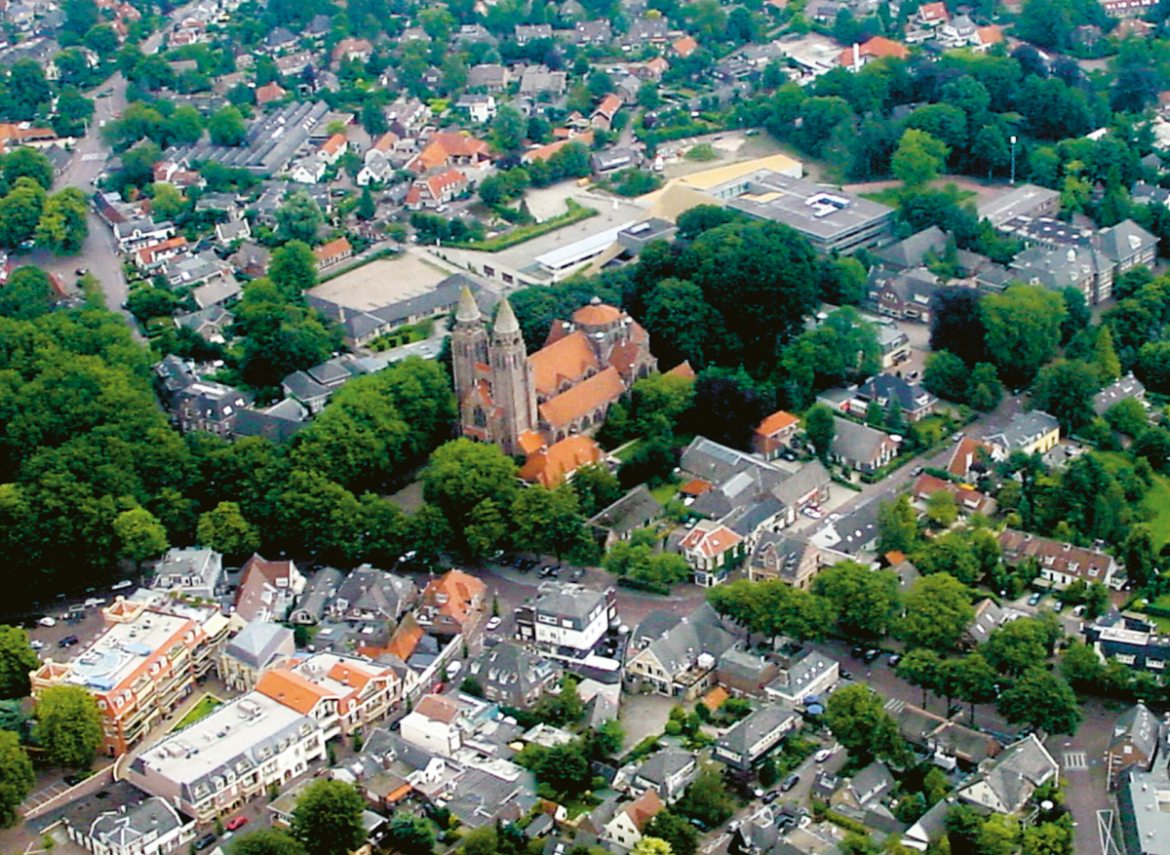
(1060, 564)
(436, 190)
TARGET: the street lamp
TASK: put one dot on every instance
(1013, 140)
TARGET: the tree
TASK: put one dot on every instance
(821, 427)
(16, 778)
(706, 799)
(920, 667)
(947, 376)
(166, 201)
(299, 218)
(897, 526)
(20, 211)
(865, 599)
(859, 721)
(973, 679)
(17, 660)
(28, 89)
(69, 726)
(957, 326)
(941, 509)
(984, 392)
(27, 294)
(267, 841)
(918, 159)
(461, 474)
(1105, 356)
(410, 835)
(293, 269)
(327, 819)
(226, 126)
(1081, 666)
(652, 846)
(366, 209)
(1023, 329)
(1017, 646)
(27, 162)
(548, 521)
(1043, 700)
(225, 530)
(508, 129)
(63, 226)
(1137, 553)
(1065, 389)
(675, 830)
(140, 534)
(936, 611)
(596, 487)
(1128, 416)
(564, 768)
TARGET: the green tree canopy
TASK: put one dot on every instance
(865, 600)
(266, 841)
(16, 778)
(936, 610)
(1023, 329)
(859, 721)
(327, 819)
(1041, 699)
(17, 660)
(69, 726)
(919, 158)
(225, 530)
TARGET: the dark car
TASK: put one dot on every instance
(857, 651)
(870, 655)
(68, 641)
(790, 782)
(771, 796)
(73, 780)
(204, 841)
(894, 659)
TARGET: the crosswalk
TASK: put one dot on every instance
(94, 155)
(1071, 761)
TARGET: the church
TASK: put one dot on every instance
(537, 405)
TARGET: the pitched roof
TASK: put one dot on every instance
(453, 593)
(711, 541)
(685, 46)
(256, 576)
(596, 315)
(438, 708)
(569, 358)
(776, 422)
(990, 35)
(445, 145)
(291, 689)
(334, 144)
(644, 808)
(583, 399)
(544, 152)
(405, 639)
(965, 454)
(550, 466)
(877, 47)
(333, 249)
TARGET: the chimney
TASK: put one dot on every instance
(856, 56)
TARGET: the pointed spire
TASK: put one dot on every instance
(506, 319)
(468, 311)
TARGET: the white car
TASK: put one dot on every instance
(453, 668)
(36, 644)
(494, 623)
(823, 755)
(95, 601)
(48, 620)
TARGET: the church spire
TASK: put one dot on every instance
(468, 311)
(506, 323)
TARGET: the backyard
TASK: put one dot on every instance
(206, 705)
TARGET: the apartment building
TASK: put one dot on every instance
(139, 670)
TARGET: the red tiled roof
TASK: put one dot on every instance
(334, 144)
(333, 249)
(438, 708)
(685, 46)
(644, 808)
(583, 399)
(711, 543)
(878, 47)
(460, 590)
(776, 422)
(695, 487)
(570, 358)
(683, 369)
(269, 93)
(445, 145)
(550, 466)
(596, 315)
(544, 152)
(291, 689)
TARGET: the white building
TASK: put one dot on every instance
(567, 620)
(435, 725)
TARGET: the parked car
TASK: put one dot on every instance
(894, 659)
(856, 651)
(790, 782)
(121, 586)
(48, 620)
(823, 755)
(36, 644)
(870, 655)
(916, 471)
(1034, 600)
(453, 668)
(771, 796)
(204, 841)
(236, 822)
(494, 623)
(68, 641)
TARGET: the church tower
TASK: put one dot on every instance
(513, 389)
(469, 345)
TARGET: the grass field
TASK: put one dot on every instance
(207, 704)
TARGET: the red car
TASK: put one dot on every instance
(236, 822)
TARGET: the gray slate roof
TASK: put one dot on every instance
(767, 719)
(258, 642)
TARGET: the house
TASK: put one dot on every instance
(888, 391)
(593, 32)
(450, 148)
(1084, 268)
(135, 234)
(1026, 200)
(309, 170)
(949, 745)
(917, 249)
(373, 595)
(989, 616)
(121, 819)
(479, 108)
(970, 459)
(967, 500)
(539, 80)
(267, 590)
(1006, 783)
(233, 230)
(269, 93)
(741, 673)
(878, 47)
(774, 434)
(310, 607)
(192, 571)
(792, 559)
(1131, 639)
(602, 117)
(1134, 741)
(868, 784)
(1060, 564)
(551, 465)
(807, 675)
(219, 763)
(711, 549)
(511, 675)
(334, 252)
(210, 407)
(450, 602)
(684, 46)
(635, 510)
(625, 829)
(257, 647)
(211, 323)
(861, 447)
(930, 15)
(567, 621)
(490, 77)
(666, 773)
(530, 32)
(352, 49)
(437, 724)
(904, 294)
(1118, 391)
(1143, 807)
(1030, 433)
(436, 190)
(677, 656)
(753, 737)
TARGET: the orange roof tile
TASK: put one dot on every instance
(596, 315)
(530, 442)
(934, 12)
(696, 487)
(570, 359)
(685, 46)
(895, 557)
(776, 422)
(385, 142)
(333, 249)
(460, 590)
(291, 689)
(992, 35)
(683, 369)
(552, 465)
(714, 699)
(658, 64)
(438, 708)
(400, 793)
(544, 152)
(583, 399)
(334, 144)
(644, 808)
(445, 145)
(269, 93)
(349, 676)
(711, 543)
(878, 47)
(609, 105)
(405, 639)
(966, 453)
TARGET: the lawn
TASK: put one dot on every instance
(665, 492)
(1156, 503)
(207, 704)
